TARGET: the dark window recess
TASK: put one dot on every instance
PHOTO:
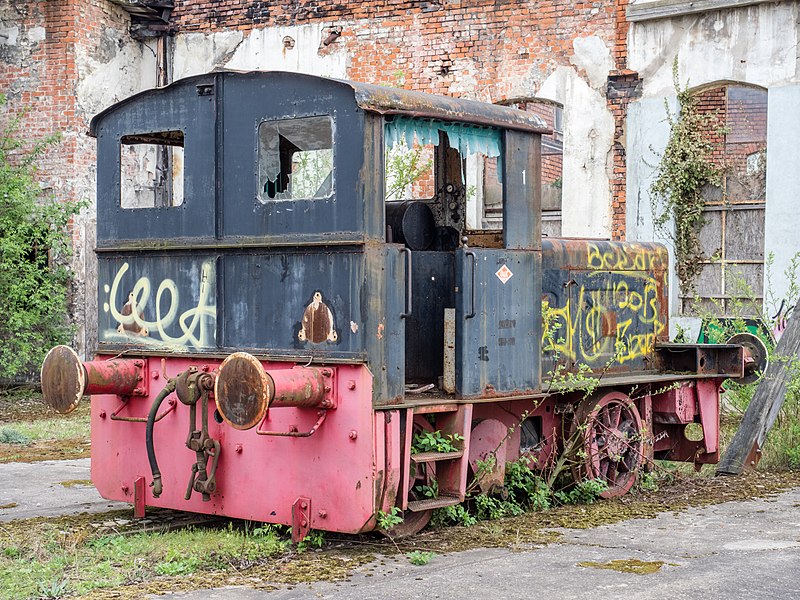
(295, 159)
(151, 170)
(530, 435)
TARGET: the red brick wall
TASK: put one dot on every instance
(429, 41)
(42, 78)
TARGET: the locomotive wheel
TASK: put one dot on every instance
(611, 445)
(421, 474)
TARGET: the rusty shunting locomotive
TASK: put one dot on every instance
(272, 331)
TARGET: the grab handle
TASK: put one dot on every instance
(407, 308)
(471, 314)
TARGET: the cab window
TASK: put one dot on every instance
(295, 159)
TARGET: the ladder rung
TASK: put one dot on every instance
(431, 503)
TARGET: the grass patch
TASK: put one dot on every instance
(53, 429)
(49, 559)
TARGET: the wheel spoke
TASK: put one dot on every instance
(616, 414)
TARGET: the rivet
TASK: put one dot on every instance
(304, 505)
(102, 414)
(154, 374)
(327, 388)
(304, 523)
(323, 514)
(125, 489)
(351, 385)
(327, 372)
(353, 434)
(206, 368)
(238, 448)
(138, 363)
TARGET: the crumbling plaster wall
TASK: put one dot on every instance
(755, 45)
(63, 62)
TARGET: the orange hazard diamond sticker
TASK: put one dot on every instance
(504, 274)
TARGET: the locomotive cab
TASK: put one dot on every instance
(255, 204)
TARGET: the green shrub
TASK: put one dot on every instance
(34, 247)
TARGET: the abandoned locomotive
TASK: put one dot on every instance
(251, 264)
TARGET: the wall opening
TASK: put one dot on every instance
(732, 238)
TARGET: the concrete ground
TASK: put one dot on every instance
(49, 488)
(737, 550)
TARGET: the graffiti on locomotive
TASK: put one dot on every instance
(160, 311)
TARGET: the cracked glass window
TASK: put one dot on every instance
(295, 159)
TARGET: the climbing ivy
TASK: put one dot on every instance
(685, 168)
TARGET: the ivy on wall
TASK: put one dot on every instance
(685, 168)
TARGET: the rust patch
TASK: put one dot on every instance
(132, 328)
(63, 379)
(317, 325)
(242, 391)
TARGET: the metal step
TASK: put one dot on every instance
(431, 503)
(435, 456)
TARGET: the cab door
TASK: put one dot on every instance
(498, 322)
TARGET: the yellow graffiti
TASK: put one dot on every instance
(602, 321)
(196, 324)
(622, 258)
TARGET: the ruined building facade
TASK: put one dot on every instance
(599, 72)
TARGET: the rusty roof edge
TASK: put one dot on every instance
(382, 100)
(393, 101)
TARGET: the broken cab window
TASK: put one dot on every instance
(295, 159)
(151, 170)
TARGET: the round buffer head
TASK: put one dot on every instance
(63, 379)
(754, 347)
(243, 390)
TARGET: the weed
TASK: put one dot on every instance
(388, 520)
(420, 557)
(314, 539)
(177, 563)
(584, 492)
(436, 441)
(9, 435)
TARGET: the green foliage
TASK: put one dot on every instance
(9, 435)
(584, 492)
(34, 246)
(453, 515)
(404, 166)
(314, 539)
(436, 441)
(420, 557)
(177, 563)
(685, 168)
(388, 520)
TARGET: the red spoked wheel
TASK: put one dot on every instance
(421, 474)
(609, 441)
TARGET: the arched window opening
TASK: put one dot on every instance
(731, 283)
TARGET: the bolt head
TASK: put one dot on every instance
(323, 514)
(304, 505)
(102, 414)
(304, 523)
(238, 448)
(353, 434)
(351, 385)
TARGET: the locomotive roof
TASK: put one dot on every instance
(380, 99)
